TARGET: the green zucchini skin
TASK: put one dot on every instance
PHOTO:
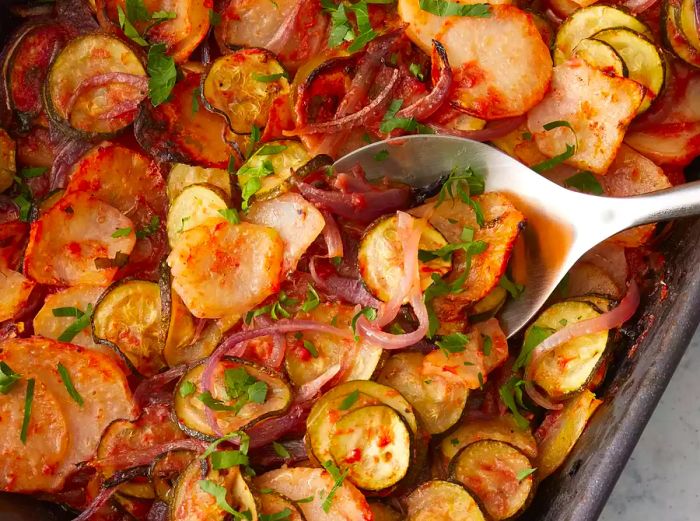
(437, 499)
(674, 38)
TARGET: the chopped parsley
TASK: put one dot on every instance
(187, 388)
(230, 214)
(391, 122)
(349, 400)
(486, 345)
(534, 336)
(281, 450)
(556, 160)
(255, 135)
(214, 18)
(196, 93)
(28, 400)
(68, 383)
(282, 515)
(162, 74)
(513, 288)
(367, 34)
(416, 70)
(467, 244)
(82, 320)
(149, 229)
(312, 299)
(511, 394)
(338, 481)
(463, 183)
(585, 182)
(311, 348)
(276, 310)
(254, 174)
(521, 475)
(243, 438)
(30, 172)
(447, 8)
(367, 312)
(453, 343)
(224, 459)
(269, 78)
(121, 232)
(241, 388)
(8, 378)
(219, 493)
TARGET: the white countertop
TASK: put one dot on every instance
(662, 479)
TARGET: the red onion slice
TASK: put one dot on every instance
(97, 503)
(368, 113)
(344, 288)
(152, 384)
(66, 157)
(390, 341)
(312, 388)
(331, 234)
(100, 80)
(145, 455)
(267, 431)
(279, 349)
(639, 6)
(609, 320)
(492, 130)
(285, 30)
(429, 104)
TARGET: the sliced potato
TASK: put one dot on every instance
(242, 87)
(119, 176)
(16, 289)
(272, 503)
(373, 444)
(65, 242)
(360, 359)
(671, 144)
(491, 471)
(50, 326)
(297, 221)
(586, 278)
(195, 206)
(226, 269)
(384, 512)
(477, 51)
(560, 431)
(128, 317)
(380, 257)
(601, 55)
(301, 483)
(87, 110)
(181, 176)
(235, 413)
(273, 164)
(438, 399)
(597, 106)
(97, 378)
(438, 500)
(586, 22)
(644, 62)
(467, 364)
(494, 344)
(8, 167)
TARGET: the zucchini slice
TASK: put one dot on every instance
(84, 108)
(227, 269)
(560, 431)
(569, 366)
(242, 86)
(373, 445)
(192, 502)
(242, 394)
(196, 205)
(182, 329)
(439, 500)
(173, 132)
(309, 488)
(339, 401)
(272, 503)
(66, 240)
(8, 166)
(439, 400)
(303, 366)
(380, 256)
(382, 512)
(500, 428)
(165, 470)
(491, 470)
(674, 37)
(644, 62)
(128, 318)
(488, 306)
(601, 55)
(269, 169)
(133, 507)
(80, 297)
(688, 23)
(588, 21)
(181, 176)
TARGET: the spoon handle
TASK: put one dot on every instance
(616, 214)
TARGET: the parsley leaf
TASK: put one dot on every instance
(269, 78)
(463, 183)
(162, 73)
(72, 391)
(195, 99)
(510, 393)
(149, 229)
(136, 10)
(8, 378)
(447, 8)
(521, 475)
(254, 139)
(231, 215)
(25, 206)
(128, 28)
(282, 515)
(554, 161)
(187, 388)
(253, 183)
(390, 122)
(224, 459)
(585, 182)
(486, 345)
(557, 124)
(453, 343)
(338, 478)
(511, 287)
(341, 30)
(369, 313)
(81, 322)
(312, 300)
(349, 400)
(281, 450)
(28, 400)
(243, 438)
(416, 70)
(367, 34)
(121, 232)
(219, 493)
(311, 348)
(30, 172)
(534, 336)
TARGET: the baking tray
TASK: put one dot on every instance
(647, 357)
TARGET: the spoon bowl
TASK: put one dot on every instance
(562, 224)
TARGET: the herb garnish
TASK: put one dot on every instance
(311, 348)
(281, 450)
(338, 478)
(486, 345)
(512, 396)
(72, 391)
(241, 388)
(224, 459)
(585, 182)
(534, 336)
(243, 438)
(511, 287)
(269, 78)
(367, 312)
(453, 343)
(29, 172)
(162, 74)
(219, 493)
(521, 475)
(28, 400)
(447, 8)
(276, 309)
(82, 320)
(312, 299)
(8, 378)
(349, 400)
(149, 229)
(121, 232)
(230, 214)
(390, 122)
(282, 515)
(187, 388)
(416, 70)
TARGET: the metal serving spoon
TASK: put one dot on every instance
(562, 224)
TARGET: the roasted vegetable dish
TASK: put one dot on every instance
(202, 319)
